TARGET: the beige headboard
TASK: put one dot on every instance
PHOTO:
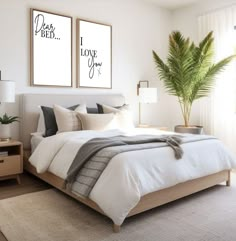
(29, 110)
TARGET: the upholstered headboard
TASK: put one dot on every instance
(29, 108)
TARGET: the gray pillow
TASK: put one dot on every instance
(92, 110)
(50, 121)
(89, 109)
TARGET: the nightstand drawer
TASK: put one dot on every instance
(10, 165)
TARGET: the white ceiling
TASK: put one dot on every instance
(174, 4)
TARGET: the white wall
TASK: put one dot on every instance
(185, 19)
(138, 27)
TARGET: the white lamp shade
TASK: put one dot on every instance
(7, 91)
(147, 95)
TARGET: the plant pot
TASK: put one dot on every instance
(190, 129)
(5, 131)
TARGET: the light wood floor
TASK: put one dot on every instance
(10, 188)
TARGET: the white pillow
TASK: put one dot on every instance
(98, 122)
(67, 119)
(123, 115)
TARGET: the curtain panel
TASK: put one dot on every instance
(218, 111)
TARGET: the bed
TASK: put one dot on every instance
(29, 116)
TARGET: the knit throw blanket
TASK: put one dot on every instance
(94, 155)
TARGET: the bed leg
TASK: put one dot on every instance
(228, 182)
(116, 228)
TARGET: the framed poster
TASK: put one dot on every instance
(94, 57)
(51, 49)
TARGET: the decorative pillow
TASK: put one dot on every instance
(50, 121)
(98, 122)
(67, 119)
(123, 115)
(109, 109)
(89, 109)
(47, 121)
(92, 110)
(100, 108)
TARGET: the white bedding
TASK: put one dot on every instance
(36, 138)
(131, 175)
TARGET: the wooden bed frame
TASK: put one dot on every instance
(146, 202)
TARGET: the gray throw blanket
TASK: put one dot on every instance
(94, 155)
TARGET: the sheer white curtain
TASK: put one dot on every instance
(218, 112)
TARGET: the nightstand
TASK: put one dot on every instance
(11, 160)
(163, 128)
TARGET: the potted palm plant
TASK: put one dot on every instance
(189, 73)
(5, 127)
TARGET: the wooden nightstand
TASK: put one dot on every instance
(11, 162)
(163, 128)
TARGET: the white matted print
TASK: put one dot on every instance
(94, 46)
(51, 49)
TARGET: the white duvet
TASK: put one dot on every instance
(130, 175)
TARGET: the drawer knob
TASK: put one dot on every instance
(1, 161)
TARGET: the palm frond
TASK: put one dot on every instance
(204, 86)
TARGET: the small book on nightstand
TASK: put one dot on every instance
(3, 153)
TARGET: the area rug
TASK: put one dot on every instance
(50, 215)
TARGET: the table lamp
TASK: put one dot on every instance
(146, 95)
